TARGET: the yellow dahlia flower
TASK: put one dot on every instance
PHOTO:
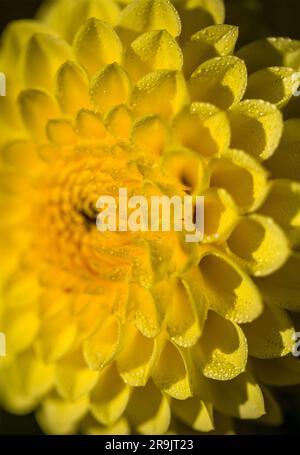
(142, 332)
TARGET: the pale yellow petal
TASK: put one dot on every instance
(161, 92)
(275, 85)
(61, 417)
(222, 349)
(42, 57)
(96, 44)
(110, 87)
(256, 127)
(228, 289)
(72, 88)
(73, 378)
(241, 397)
(151, 51)
(213, 41)
(202, 127)
(149, 410)
(259, 245)
(142, 16)
(242, 177)
(110, 397)
(37, 107)
(194, 413)
(221, 81)
(137, 357)
(102, 345)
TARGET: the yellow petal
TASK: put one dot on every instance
(171, 373)
(90, 125)
(49, 153)
(213, 41)
(52, 302)
(182, 322)
(259, 245)
(241, 397)
(10, 119)
(221, 81)
(60, 417)
(271, 52)
(21, 328)
(220, 215)
(73, 378)
(121, 427)
(147, 315)
(149, 410)
(101, 346)
(283, 205)
(242, 177)
(96, 44)
(193, 286)
(15, 38)
(222, 349)
(256, 127)
(160, 92)
(21, 291)
(60, 132)
(76, 13)
(227, 288)
(150, 135)
(270, 335)
(37, 107)
(195, 413)
(13, 183)
(25, 382)
(136, 359)
(179, 428)
(57, 334)
(23, 156)
(119, 122)
(42, 57)
(142, 16)
(13, 242)
(155, 50)
(205, 121)
(188, 168)
(72, 89)
(275, 85)
(197, 14)
(90, 313)
(14, 217)
(173, 256)
(110, 87)
(110, 396)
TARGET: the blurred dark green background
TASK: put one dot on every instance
(257, 19)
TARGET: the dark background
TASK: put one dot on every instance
(279, 17)
(257, 18)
